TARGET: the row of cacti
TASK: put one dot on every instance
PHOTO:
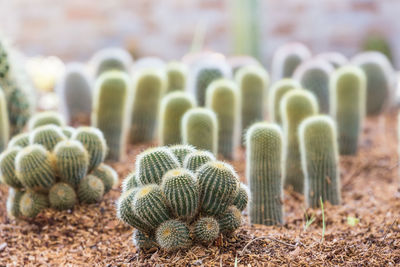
(54, 166)
(179, 195)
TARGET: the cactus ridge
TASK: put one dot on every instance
(90, 189)
(230, 220)
(204, 78)
(181, 151)
(48, 136)
(62, 196)
(143, 240)
(206, 229)
(68, 131)
(7, 168)
(21, 140)
(195, 160)
(172, 235)
(129, 182)
(111, 59)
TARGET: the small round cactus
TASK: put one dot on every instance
(62, 196)
(21, 140)
(206, 229)
(173, 235)
(230, 220)
(143, 240)
(195, 160)
(46, 118)
(181, 151)
(68, 131)
(32, 203)
(4, 122)
(90, 189)
(176, 76)
(129, 182)
(48, 136)
(13, 202)
(276, 92)
(7, 168)
(107, 175)
(242, 197)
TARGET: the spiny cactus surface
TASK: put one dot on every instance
(276, 93)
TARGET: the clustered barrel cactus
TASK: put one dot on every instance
(45, 168)
(173, 203)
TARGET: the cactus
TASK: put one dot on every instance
(4, 123)
(13, 202)
(206, 229)
(222, 97)
(129, 182)
(242, 197)
(380, 43)
(90, 189)
(21, 140)
(153, 163)
(202, 78)
(336, 59)
(62, 196)
(195, 160)
(176, 76)
(264, 169)
(150, 206)
(94, 143)
(253, 82)
(181, 151)
(230, 220)
(7, 168)
(239, 62)
(314, 76)
(45, 118)
(200, 129)
(48, 136)
(173, 235)
(181, 192)
(110, 59)
(4, 62)
(320, 160)
(72, 162)
(276, 93)
(111, 109)
(149, 87)
(68, 131)
(379, 73)
(143, 240)
(173, 107)
(107, 175)
(219, 185)
(32, 203)
(295, 106)
(34, 168)
(348, 91)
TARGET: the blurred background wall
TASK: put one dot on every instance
(74, 29)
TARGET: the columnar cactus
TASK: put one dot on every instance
(276, 92)
(200, 129)
(320, 160)
(181, 151)
(32, 203)
(348, 104)
(111, 59)
(62, 196)
(314, 76)
(223, 98)
(173, 235)
(176, 75)
(379, 73)
(253, 82)
(173, 107)
(111, 111)
(4, 122)
(264, 171)
(195, 160)
(47, 136)
(336, 59)
(149, 87)
(295, 106)
(45, 118)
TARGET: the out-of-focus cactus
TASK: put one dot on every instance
(68, 131)
(4, 122)
(195, 160)
(7, 168)
(111, 59)
(379, 43)
(90, 189)
(21, 140)
(181, 151)
(48, 136)
(32, 203)
(46, 118)
(13, 202)
(176, 75)
(107, 175)
(276, 92)
(238, 62)
(62, 196)
(173, 235)
(336, 59)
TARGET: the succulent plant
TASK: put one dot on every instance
(45, 118)
(68, 131)
(4, 122)
(200, 129)
(32, 203)
(90, 189)
(204, 78)
(276, 93)
(111, 111)
(7, 168)
(320, 160)
(264, 171)
(336, 59)
(129, 182)
(173, 107)
(348, 104)
(107, 175)
(223, 98)
(62, 196)
(21, 140)
(295, 106)
(206, 229)
(48, 136)
(173, 235)
(230, 220)
(176, 75)
(196, 159)
(181, 151)
(13, 202)
(242, 197)
(143, 240)
(110, 59)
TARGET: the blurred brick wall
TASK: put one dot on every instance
(74, 29)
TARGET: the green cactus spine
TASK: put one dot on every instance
(242, 197)
(173, 107)
(71, 162)
(181, 192)
(173, 235)
(206, 229)
(276, 92)
(264, 170)
(320, 160)
(176, 76)
(107, 175)
(35, 168)
(143, 240)
(111, 111)
(21, 140)
(181, 151)
(348, 92)
(48, 136)
(222, 97)
(7, 168)
(62, 196)
(219, 185)
(4, 123)
(46, 118)
(32, 203)
(129, 182)
(149, 87)
(230, 220)
(295, 106)
(90, 189)
(153, 163)
(200, 129)
(195, 160)
(13, 203)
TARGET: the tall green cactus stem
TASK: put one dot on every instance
(223, 98)
(149, 87)
(173, 107)
(48, 136)
(7, 168)
(90, 189)
(264, 170)
(253, 82)
(202, 77)
(176, 76)
(111, 59)
(111, 111)
(181, 151)
(206, 229)
(200, 129)
(129, 182)
(219, 185)
(46, 118)
(153, 163)
(13, 203)
(4, 62)
(21, 140)
(348, 92)
(94, 143)
(149, 204)
(68, 131)
(276, 93)
(34, 167)
(4, 122)
(242, 197)
(72, 162)
(195, 160)
(107, 175)
(230, 220)
(181, 192)
(143, 240)
(32, 203)
(320, 160)
(295, 106)
(173, 235)
(62, 196)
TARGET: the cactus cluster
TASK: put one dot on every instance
(174, 201)
(45, 168)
